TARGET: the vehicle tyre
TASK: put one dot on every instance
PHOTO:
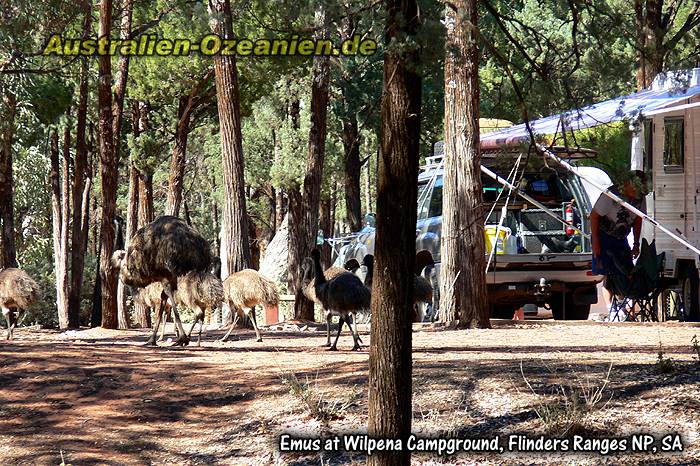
(501, 311)
(689, 293)
(573, 312)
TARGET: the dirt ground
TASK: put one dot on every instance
(102, 397)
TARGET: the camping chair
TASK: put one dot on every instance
(636, 290)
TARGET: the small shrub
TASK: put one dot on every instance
(314, 401)
(566, 411)
(696, 347)
(663, 364)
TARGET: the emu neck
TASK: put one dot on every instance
(319, 278)
(370, 275)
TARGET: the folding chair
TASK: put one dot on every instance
(636, 290)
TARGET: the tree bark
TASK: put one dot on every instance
(8, 105)
(140, 210)
(176, 178)
(145, 199)
(119, 94)
(325, 224)
(390, 371)
(353, 166)
(59, 204)
(304, 209)
(368, 187)
(462, 250)
(108, 173)
(235, 245)
(81, 190)
(351, 141)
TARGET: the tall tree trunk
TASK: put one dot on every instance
(108, 173)
(119, 94)
(351, 161)
(324, 223)
(132, 213)
(235, 245)
(140, 211)
(65, 223)
(142, 314)
(59, 204)
(176, 179)
(81, 189)
(146, 199)
(390, 371)
(462, 250)
(122, 77)
(351, 140)
(280, 198)
(215, 217)
(304, 209)
(8, 105)
(368, 187)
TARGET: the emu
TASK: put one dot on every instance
(17, 292)
(243, 291)
(201, 292)
(162, 251)
(308, 288)
(422, 289)
(152, 297)
(342, 295)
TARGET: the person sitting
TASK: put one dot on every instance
(610, 225)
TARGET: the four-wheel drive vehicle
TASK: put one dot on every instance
(538, 259)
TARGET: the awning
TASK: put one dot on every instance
(664, 92)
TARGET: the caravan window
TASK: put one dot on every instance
(648, 145)
(673, 145)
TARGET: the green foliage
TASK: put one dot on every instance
(50, 98)
(613, 143)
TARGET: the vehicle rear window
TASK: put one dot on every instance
(546, 187)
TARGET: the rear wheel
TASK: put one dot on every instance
(689, 293)
(563, 308)
(500, 311)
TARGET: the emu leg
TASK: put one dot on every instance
(165, 322)
(251, 316)
(340, 328)
(329, 317)
(182, 339)
(14, 318)
(7, 313)
(199, 318)
(159, 316)
(355, 335)
(233, 324)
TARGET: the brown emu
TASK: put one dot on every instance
(342, 295)
(307, 276)
(151, 297)
(162, 251)
(422, 290)
(201, 292)
(243, 291)
(17, 292)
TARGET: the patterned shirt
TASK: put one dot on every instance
(614, 219)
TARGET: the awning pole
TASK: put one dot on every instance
(618, 199)
(538, 204)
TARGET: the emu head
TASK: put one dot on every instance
(352, 265)
(118, 260)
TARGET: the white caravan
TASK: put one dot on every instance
(666, 144)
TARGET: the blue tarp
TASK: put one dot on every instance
(629, 107)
